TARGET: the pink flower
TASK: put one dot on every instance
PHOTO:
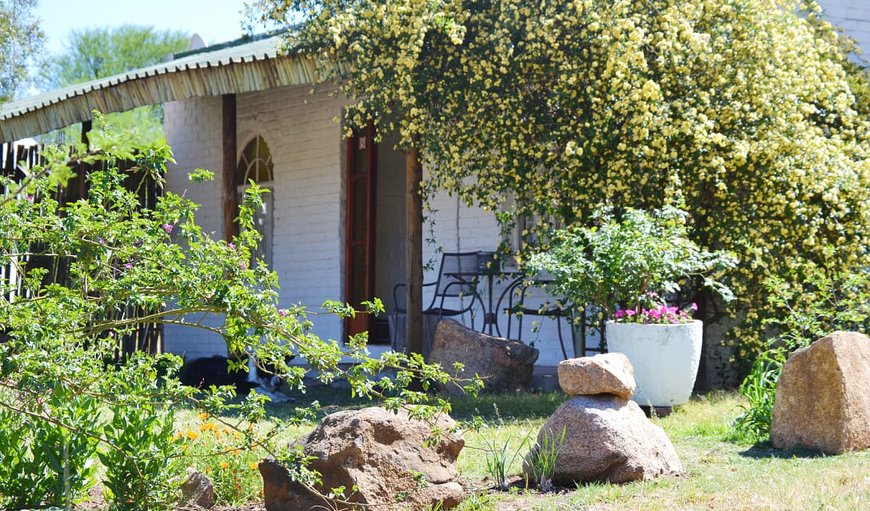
(167, 227)
(128, 266)
(243, 265)
(282, 313)
(232, 245)
(619, 314)
(630, 312)
(30, 198)
(693, 307)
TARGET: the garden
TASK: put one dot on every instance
(667, 180)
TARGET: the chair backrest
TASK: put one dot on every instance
(457, 274)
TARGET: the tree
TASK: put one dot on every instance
(20, 39)
(90, 272)
(96, 53)
(739, 111)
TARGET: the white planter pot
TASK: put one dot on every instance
(665, 359)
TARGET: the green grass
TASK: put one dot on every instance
(720, 475)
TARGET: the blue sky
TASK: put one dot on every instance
(215, 20)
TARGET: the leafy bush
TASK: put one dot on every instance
(825, 302)
(629, 262)
(93, 271)
(759, 389)
(47, 462)
(566, 105)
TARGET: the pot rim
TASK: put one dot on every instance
(612, 322)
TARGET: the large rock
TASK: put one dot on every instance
(197, 490)
(607, 438)
(610, 373)
(379, 457)
(822, 398)
(503, 364)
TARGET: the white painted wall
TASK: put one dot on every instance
(460, 228)
(853, 16)
(193, 130)
(308, 157)
(390, 226)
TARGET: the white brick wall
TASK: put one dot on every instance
(853, 16)
(478, 230)
(308, 157)
(307, 153)
(193, 130)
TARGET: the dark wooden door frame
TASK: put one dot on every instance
(363, 322)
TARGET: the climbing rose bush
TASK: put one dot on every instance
(742, 112)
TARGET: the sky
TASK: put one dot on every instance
(214, 20)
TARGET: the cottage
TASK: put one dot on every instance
(333, 223)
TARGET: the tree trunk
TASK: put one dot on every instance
(414, 252)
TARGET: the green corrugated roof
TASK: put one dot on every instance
(244, 65)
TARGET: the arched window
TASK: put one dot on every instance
(255, 164)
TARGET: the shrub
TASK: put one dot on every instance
(47, 462)
(826, 301)
(92, 272)
(565, 105)
(627, 263)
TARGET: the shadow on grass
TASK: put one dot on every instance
(763, 450)
(490, 407)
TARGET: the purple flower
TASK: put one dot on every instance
(137, 243)
(29, 198)
(128, 266)
(101, 241)
(167, 227)
(232, 245)
(243, 265)
(282, 313)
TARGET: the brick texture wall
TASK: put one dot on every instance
(308, 191)
(853, 16)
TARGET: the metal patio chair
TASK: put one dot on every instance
(455, 295)
(528, 297)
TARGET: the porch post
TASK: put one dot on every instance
(414, 252)
(229, 188)
(87, 126)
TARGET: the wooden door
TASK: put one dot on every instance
(360, 207)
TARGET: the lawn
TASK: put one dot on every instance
(719, 474)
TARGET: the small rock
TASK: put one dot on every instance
(197, 490)
(503, 364)
(607, 439)
(822, 402)
(379, 457)
(610, 373)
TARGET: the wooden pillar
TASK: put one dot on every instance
(414, 251)
(82, 190)
(87, 126)
(229, 188)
